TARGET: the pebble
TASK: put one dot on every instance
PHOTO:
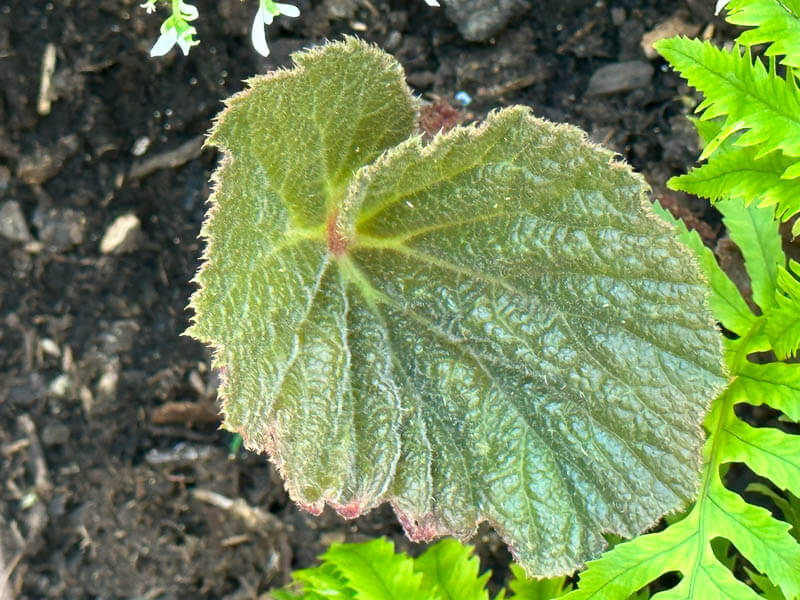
(119, 337)
(48, 346)
(108, 383)
(46, 163)
(673, 26)
(140, 146)
(620, 77)
(340, 9)
(55, 434)
(5, 178)
(479, 20)
(60, 228)
(123, 235)
(63, 386)
(25, 391)
(12, 222)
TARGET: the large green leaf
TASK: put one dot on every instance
(726, 303)
(720, 515)
(494, 326)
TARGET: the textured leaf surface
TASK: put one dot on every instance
(718, 513)
(491, 327)
(725, 301)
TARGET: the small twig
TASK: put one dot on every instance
(6, 593)
(14, 447)
(38, 512)
(510, 86)
(168, 160)
(48, 68)
(576, 37)
(255, 518)
(257, 521)
(371, 8)
(181, 412)
(41, 479)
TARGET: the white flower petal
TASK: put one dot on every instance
(185, 42)
(189, 11)
(288, 10)
(164, 43)
(257, 34)
(431, 3)
(267, 16)
(720, 5)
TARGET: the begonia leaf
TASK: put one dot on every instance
(490, 327)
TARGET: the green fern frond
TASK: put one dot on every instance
(725, 301)
(755, 231)
(775, 384)
(536, 589)
(787, 503)
(686, 546)
(752, 99)
(783, 322)
(774, 23)
(451, 570)
(718, 514)
(372, 570)
(768, 589)
(736, 172)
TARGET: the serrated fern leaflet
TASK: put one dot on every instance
(755, 152)
(742, 90)
(739, 172)
(372, 570)
(774, 22)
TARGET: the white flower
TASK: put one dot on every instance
(188, 11)
(720, 5)
(176, 30)
(267, 11)
(165, 42)
(170, 37)
(431, 2)
(149, 6)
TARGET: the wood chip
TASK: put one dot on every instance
(43, 103)
(123, 235)
(168, 160)
(174, 413)
(620, 77)
(673, 26)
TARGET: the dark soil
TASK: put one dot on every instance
(111, 454)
